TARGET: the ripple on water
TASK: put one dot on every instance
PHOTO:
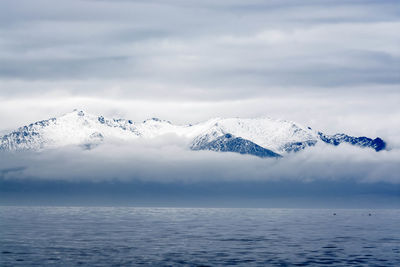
(196, 237)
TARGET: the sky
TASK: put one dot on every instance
(330, 65)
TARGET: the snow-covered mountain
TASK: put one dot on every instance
(263, 137)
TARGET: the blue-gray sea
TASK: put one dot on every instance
(126, 236)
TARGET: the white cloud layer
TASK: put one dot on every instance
(156, 161)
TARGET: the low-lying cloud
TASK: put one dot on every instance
(157, 162)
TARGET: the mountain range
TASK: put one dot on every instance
(262, 137)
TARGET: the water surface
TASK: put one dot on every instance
(96, 236)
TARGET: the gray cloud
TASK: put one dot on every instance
(207, 47)
(157, 174)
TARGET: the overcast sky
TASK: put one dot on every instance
(333, 65)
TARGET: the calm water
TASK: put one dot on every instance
(197, 237)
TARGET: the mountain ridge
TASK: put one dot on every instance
(262, 137)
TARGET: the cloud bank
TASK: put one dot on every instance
(173, 163)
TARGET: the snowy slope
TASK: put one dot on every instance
(264, 137)
(75, 128)
(276, 135)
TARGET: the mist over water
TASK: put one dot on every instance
(70, 236)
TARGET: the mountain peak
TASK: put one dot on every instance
(156, 120)
(76, 112)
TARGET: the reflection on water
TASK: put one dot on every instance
(197, 237)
